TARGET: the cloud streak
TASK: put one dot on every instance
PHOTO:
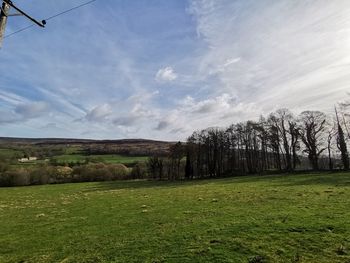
(288, 51)
(179, 67)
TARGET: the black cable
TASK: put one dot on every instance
(69, 10)
(18, 31)
(51, 17)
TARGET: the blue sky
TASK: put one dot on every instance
(162, 69)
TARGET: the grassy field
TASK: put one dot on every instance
(8, 153)
(106, 158)
(73, 154)
(300, 218)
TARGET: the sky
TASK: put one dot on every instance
(160, 69)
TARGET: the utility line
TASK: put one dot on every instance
(19, 31)
(51, 17)
(71, 9)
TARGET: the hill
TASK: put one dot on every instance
(123, 146)
(48, 141)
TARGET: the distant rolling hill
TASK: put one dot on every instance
(78, 141)
(127, 146)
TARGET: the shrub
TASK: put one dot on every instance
(118, 171)
(155, 167)
(5, 179)
(38, 177)
(53, 161)
(99, 172)
(94, 172)
(41, 175)
(18, 177)
(139, 171)
(4, 167)
(63, 174)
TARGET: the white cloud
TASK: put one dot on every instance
(24, 112)
(292, 53)
(166, 74)
(123, 118)
(191, 114)
(99, 113)
(135, 117)
(9, 117)
(221, 103)
(32, 109)
(248, 57)
(12, 98)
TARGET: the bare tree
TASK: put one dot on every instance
(176, 154)
(311, 130)
(282, 119)
(345, 112)
(274, 140)
(331, 134)
(253, 147)
(295, 142)
(341, 143)
(155, 167)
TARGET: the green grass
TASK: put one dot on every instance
(300, 218)
(73, 150)
(72, 154)
(9, 153)
(106, 158)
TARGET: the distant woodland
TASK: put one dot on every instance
(278, 143)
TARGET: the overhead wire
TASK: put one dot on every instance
(19, 31)
(71, 9)
(52, 17)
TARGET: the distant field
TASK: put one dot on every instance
(72, 154)
(8, 153)
(107, 158)
(301, 218)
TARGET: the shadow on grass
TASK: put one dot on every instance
(138, 184)
(325, 178)
(142, 184)
(339, 178)
(335, 179)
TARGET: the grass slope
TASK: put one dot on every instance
(301, 218)
(8, 153)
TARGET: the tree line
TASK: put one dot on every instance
(279, 142)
